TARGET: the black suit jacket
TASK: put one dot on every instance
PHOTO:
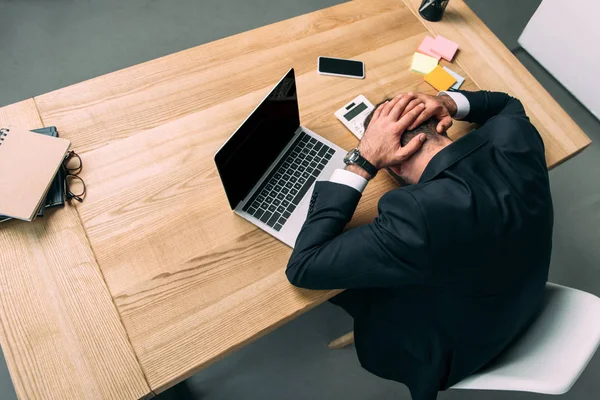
(454, 267)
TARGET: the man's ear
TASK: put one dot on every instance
(396, 169)
(394, 172)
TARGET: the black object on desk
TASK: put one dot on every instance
(433, 10)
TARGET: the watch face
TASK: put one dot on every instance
(352, 156)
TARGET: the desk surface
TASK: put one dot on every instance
(153, 277)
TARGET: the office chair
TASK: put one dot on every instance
(550, 356)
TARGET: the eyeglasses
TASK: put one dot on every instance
(74, 185)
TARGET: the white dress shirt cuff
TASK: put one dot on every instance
(463, 107)
(348, 178)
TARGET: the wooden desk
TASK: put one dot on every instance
(153, 277)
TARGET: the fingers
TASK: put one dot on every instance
(414, 102)
(444, 124)
(377, 112)
(388, 106)
(411, 117)
(400, 106)
(424, 116)
(411, 148)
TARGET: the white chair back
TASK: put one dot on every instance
(552, 353)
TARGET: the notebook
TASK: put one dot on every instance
(56, 193)
(28, 165)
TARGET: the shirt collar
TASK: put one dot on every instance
(452, 154)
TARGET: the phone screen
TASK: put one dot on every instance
(341, 67)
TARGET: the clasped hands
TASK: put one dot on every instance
(380, 144)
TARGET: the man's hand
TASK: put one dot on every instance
(441, 107)
(380, 144)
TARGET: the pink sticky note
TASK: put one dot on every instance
(444, 48)
(426, 46)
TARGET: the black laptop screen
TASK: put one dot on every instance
(247, 155)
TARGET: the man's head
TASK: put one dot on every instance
(411, 170)
(428, 128)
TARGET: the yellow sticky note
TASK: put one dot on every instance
(423, 64)
(440, 79)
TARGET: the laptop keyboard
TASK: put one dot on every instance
(288, 182)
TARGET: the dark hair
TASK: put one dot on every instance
(427, 127)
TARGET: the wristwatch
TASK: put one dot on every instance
(354, 157)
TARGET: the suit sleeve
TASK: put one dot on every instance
(391, 251)
(485, 105)
(513, 133)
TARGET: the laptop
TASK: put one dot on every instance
(270, 164)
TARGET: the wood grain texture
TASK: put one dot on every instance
(60, 332)
(191, 280)
(113, 106)
(493, 67)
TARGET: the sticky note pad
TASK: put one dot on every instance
(459, 79)
(444, 48)
(426, 46)
(423, 64)
(440, 79)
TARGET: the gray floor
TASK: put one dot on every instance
(46, 45)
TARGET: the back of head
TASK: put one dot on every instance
(428, 128)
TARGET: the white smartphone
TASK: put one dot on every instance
(341, 67)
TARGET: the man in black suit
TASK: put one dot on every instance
(454, 267)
